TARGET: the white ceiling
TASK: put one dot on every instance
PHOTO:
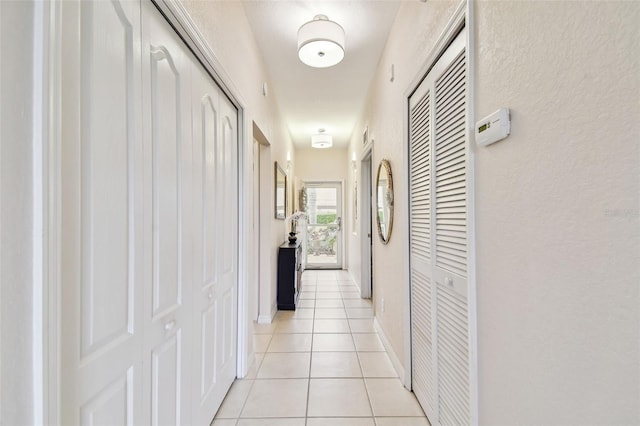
(313, 98)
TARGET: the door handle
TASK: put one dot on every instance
(169, 325)
(339, 223)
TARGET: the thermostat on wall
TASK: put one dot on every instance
(493, 128)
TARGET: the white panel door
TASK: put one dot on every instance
(102, 214)
(215, 246)
(441, 354)
(167, 317)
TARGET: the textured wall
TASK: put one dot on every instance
(557, 204)
(558, 219)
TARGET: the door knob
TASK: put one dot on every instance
(169, 325)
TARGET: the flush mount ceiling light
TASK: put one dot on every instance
(321, 42)
(321, 140)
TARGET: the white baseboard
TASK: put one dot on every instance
(265, 319)
(268, 319)
(397, 365)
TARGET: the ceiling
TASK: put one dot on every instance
(313, 98)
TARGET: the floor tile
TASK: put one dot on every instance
(389, 398)
(295, 326)
(329, 303)
(331, 342)
(338, 398)
(291, 365)
(331, 326)
(330, 313)
(351, 295)
(335, 364)
(300, 313)
(224, 422)
(307, 295)
(235, 399)
(343, 275)
(402, 421)
(306, 303)
(290, 343)
(308, 287)
(329, 295)
(357, 303)
(376, 364)
(261, 342)
(359, 312)
(341, 421)
(362, 325)
(328, 287)
(326, 275)
(263, 328)
(252, 371)
(272, 422)
(368, 342)
(267, 396)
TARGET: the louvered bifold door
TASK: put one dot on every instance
(420, 257)
(450, 251)
(438, 152)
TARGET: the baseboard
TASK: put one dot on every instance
(397, 365)
(355, 282)
(265, 319)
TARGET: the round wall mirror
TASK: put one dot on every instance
(384, 201)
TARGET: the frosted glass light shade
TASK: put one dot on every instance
(321, 43)
(321, 141)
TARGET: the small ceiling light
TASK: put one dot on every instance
(321, 42)
(321, 140)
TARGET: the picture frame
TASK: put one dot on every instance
(280, 192)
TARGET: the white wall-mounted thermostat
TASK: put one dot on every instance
(493, 128)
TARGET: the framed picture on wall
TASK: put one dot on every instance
(280, 187)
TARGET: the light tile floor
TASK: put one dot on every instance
(321, 365)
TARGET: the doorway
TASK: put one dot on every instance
(366, 284)
(324, 225)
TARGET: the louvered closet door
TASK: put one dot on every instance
(438, 233)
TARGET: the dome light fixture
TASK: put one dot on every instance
(321, 42)
(321, 140)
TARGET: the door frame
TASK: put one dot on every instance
(463, 16)
(366, 223)
(342, 247)
(47, 139)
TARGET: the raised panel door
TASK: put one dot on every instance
(166, 93)
(102, 213)
(215, 225)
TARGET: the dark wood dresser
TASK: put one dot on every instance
(289, 275)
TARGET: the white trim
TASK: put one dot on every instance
(265, 319)
(395, 361)
(39, 123)
(51, 169)
(471, 228)
(366, 223)
(175, 13)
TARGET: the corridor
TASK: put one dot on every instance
(321, 365)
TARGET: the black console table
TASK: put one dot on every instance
(289, 274)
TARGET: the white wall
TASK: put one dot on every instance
(226, 29)
(558, 213)
(17, 391)
(558, 204)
